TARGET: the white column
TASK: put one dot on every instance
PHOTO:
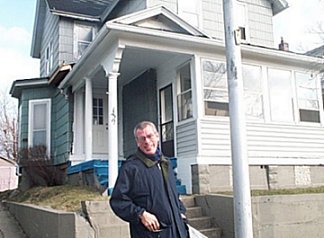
(112, 129)
(78, 125)
(88, 119)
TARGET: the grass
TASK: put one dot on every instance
(65, 197)
(68, 198)
(283, 191)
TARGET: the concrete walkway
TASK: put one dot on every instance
(9, 227)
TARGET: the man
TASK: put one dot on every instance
(145, 193)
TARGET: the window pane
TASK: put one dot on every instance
(214, 74)
(185, 106)
(215, 88)
(84, 33)
(184, 96)
(97, 111)
(166, 105)
(39, 116)
(306, 91)
(280, 91)
(185, 78)
(252, 91)
(39, 138)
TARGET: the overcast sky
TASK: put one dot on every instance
(17, 19)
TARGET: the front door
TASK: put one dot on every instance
(166, 123)
(100, 124)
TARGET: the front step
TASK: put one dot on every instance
(197, 220)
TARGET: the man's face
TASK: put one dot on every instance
(147, 140)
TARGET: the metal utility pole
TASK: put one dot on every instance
(240, 167)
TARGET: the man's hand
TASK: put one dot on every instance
(150, 221)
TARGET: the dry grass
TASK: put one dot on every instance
(283, 191)
(66, 197)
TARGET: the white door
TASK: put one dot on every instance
(100, 124)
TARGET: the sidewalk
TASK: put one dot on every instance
(9, 228)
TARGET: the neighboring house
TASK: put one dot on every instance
(106, 65)
(8, 176)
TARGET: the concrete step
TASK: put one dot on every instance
(188, 201)
(212, 232)
(194, 212)
(201, 223)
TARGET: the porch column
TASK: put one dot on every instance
(88, 119)
(112, 129)
(78, 125)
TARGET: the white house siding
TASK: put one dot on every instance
(170, 4)
(260, 22)
(66, 40)
(259, 14)
(266, 143)
(186, 134)
(50, 34)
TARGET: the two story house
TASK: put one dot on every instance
(106, 65)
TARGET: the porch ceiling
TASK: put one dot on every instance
(135, 61)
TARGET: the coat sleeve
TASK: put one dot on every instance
(121, 201)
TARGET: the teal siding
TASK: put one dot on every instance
(61, 127)
(61, 120)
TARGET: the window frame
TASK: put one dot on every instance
(298, 98)
(76, 40)
(31, 116)
(181, 93)
(49, 58)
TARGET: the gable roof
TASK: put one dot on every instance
(91, 10)
(159, 18)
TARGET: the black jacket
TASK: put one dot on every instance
(144, 184)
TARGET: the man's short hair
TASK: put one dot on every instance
(144, 124)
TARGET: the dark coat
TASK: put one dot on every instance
(141, 186)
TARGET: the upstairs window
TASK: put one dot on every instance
(307, 97)
(39, 123)
(83, 36)
(49, 57)
(184, 93)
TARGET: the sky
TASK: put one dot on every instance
(295, 25)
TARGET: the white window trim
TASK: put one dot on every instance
(49, 58)
(48, 125)
(76, 39)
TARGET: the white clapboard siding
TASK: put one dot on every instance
(186, 138)
(264, 140)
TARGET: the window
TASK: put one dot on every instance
(189, 10)
(39, 123)
(83, 36)
(281, 98)
(97, 105)
(252, 91)
(215, 88)
(184, 93)
(307, 97)
(49, 58)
